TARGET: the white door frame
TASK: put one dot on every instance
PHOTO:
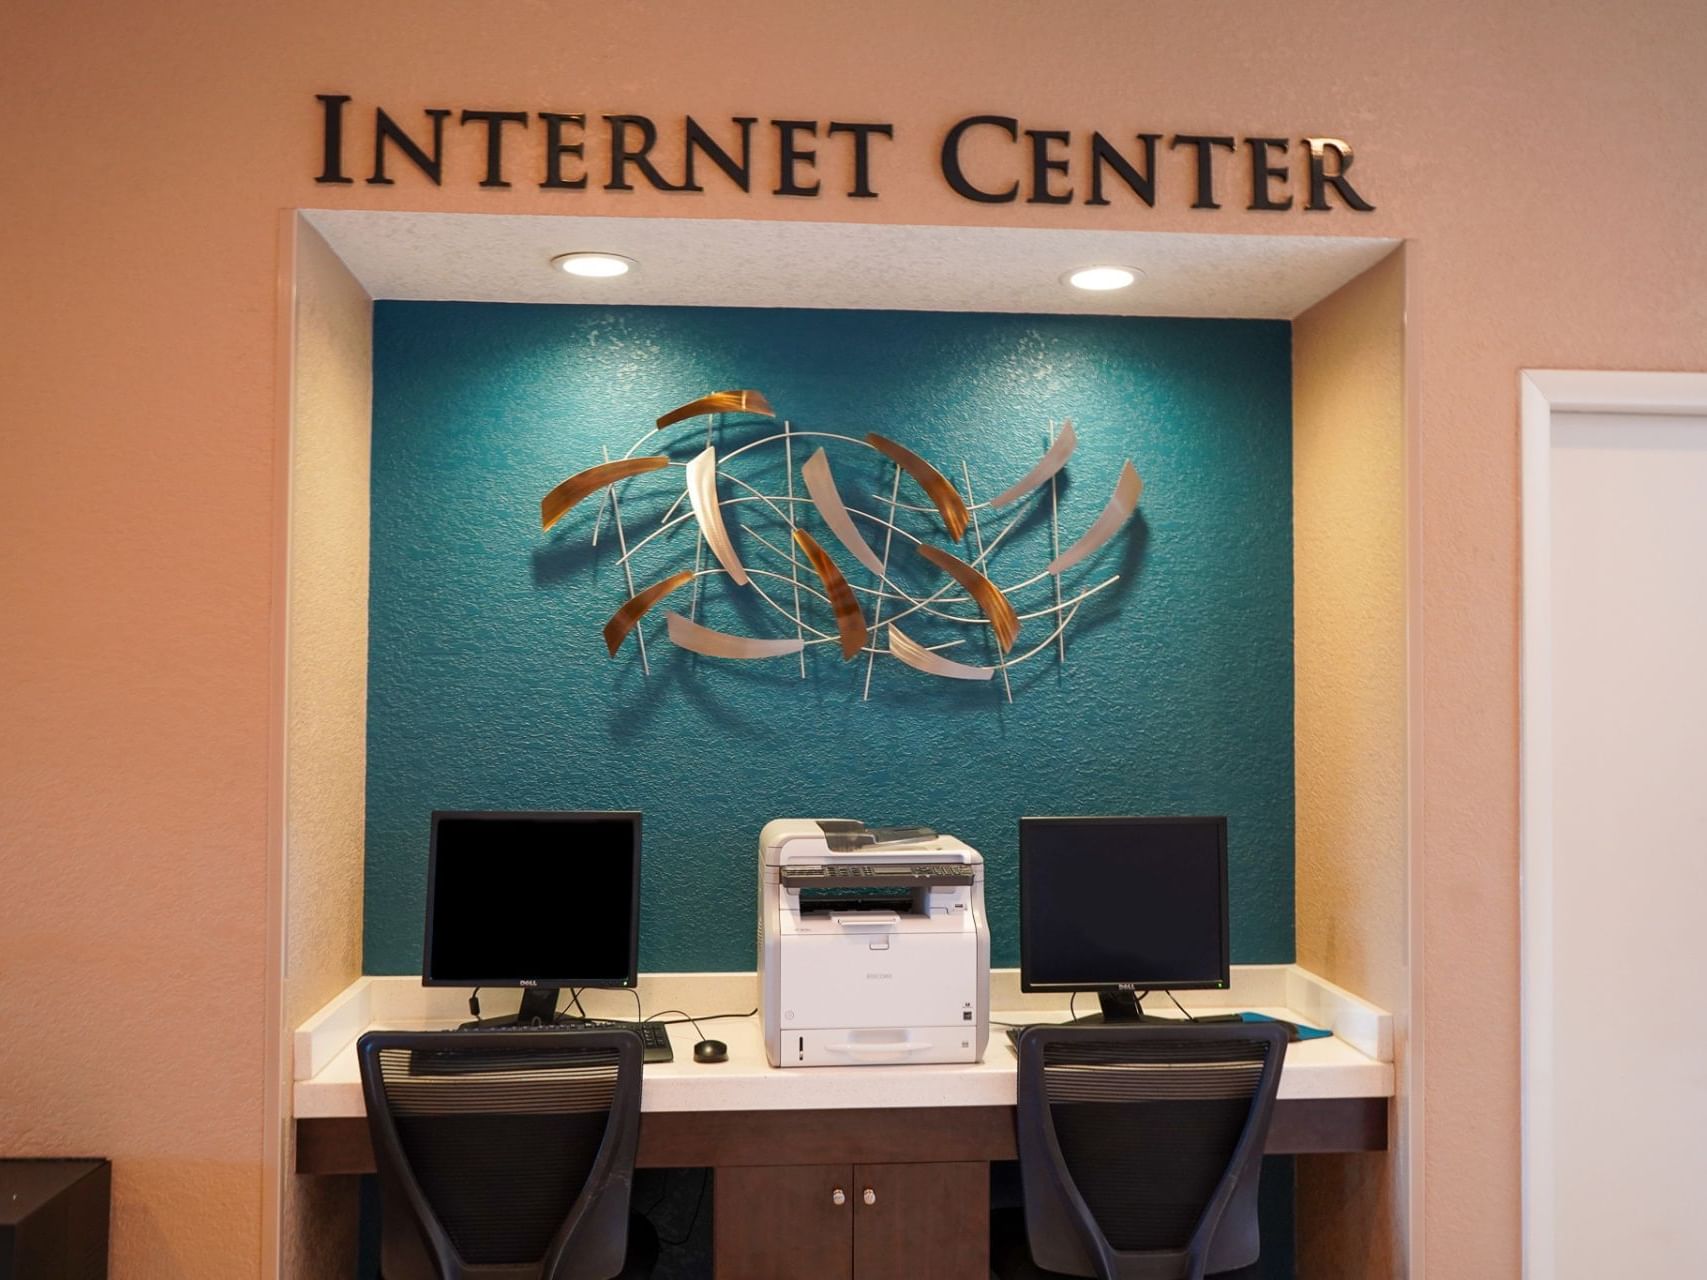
(1545, 393)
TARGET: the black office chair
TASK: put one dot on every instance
(506, 1153)
(1140, 1151)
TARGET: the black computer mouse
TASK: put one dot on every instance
(711, 1051)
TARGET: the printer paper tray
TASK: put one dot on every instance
(878, 1046)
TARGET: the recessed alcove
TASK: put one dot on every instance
(1337, 303)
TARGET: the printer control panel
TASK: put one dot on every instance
(896, 874)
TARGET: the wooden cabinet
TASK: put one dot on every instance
(767, 1221)
(852, 1221)
(922, 1220)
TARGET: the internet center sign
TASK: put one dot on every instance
(986, 159)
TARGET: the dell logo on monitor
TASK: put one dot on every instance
(530, 982)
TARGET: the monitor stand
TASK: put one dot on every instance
(539, 1007)
(1126, 1008)
(1121, 1008)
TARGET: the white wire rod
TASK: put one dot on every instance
(777, 551)
(611, 488)
(979, 621)
(597, 523)
(793, 565)
(882, 576)
(916, 603)
(772, 439)
(800, 623)
(830, 435)
(900, 592)
(978, 534)
(821, 637)
(931, 511)
(771, 500)
(674, 506)
(1055, 542)
(627, 572)
(1047, 640)
(604, 500)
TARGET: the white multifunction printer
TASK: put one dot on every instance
(872, 945)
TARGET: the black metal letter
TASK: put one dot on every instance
(1143, 184)
(1321, 179)
(861, 189)
(951, 160)
(1204, 143)
(386, 130)
(1263, 173)
(698, 139)
(556, 149)
(788, 154)
(495, 122)
(332, 139)
(1043, 164)
(622, 155)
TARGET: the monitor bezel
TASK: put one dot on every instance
(569, 817)
(1026, 929)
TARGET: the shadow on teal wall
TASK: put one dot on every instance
(489, 685)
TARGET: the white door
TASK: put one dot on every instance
(1615, 868)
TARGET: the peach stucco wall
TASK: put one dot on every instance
(1348, 551)
(1349, 589)
(1543, 157)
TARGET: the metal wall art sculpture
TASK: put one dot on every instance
(799, 582)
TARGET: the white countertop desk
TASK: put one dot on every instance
(1334, 1092)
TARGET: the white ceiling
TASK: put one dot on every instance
(849, 266)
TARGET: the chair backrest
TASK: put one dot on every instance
(1141, 1147)
(503, 1153)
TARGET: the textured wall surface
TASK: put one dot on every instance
(1349, 575)
(326, 743)
(1349, 584)
(138, 411)
(490, 687)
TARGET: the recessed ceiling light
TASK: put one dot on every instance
(594, 266)
(1101, 279)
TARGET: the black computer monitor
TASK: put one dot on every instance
(539, 901)
(1122, 906)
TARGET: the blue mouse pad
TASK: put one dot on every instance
(1304, 1033)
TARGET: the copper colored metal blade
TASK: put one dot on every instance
(1047, 465)
(1003, 620)
(850, 621)
(687, 634)
(918, 657)
(933, 482)
(557, 504)
(1127, 490)
(719, 402)
(634, 608)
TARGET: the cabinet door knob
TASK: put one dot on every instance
(838, 1196)
(870, 1196)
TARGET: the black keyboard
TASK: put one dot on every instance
(654, 1035)
(1291, 1028)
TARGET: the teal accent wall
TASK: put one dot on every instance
(489, 685)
